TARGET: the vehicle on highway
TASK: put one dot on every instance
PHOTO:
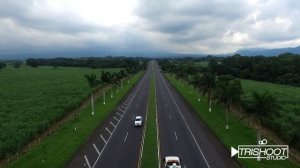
(138, 121)
(172, 162)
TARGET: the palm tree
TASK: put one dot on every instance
(124, 75)
(262, 105)
(228, 91)
(91, 79)
(118, 80)
(108, 78)
(111, 77)
(195, 82)
(207, 84)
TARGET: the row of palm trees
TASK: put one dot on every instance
(223, 89)
(227, 90)
(107, 78)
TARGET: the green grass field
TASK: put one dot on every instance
(288, 96)
(57, 150)
(150, 157)
(238, 134)
(33, 98)
(289, 99)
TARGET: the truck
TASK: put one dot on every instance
(172, 162)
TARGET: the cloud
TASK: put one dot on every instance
(185, 26)
(206, 23)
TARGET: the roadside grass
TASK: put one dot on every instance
(238, 134)
(57, 150)
(150, 158)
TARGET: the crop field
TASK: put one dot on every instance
(59, 148)
(33, 98)
(288, 98)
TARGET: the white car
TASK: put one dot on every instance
(138, 121)
(172, 162)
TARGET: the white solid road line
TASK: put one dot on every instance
(112, 124)
(103, 138)
(108, 130)
(175, 135)
(157, 128)
(170, 116)
(180, 112)
(87, 161)
(96, 149)
(126, 137)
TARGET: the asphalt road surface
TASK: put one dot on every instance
(183, 134)
(117, 143)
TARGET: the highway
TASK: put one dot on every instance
(117, 143)
(183, 134)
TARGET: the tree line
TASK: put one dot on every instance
(224, 88)
(283, 69)
(92, 62)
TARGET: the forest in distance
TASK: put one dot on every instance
(281, 69)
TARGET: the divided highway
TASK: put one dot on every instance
(117, 143)
(182, 134)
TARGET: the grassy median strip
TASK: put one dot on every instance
(150, 158)
(57, 150)
(238, 134)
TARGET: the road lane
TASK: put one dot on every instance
(182, 134)
(117, 143)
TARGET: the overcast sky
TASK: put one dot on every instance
(139, 26)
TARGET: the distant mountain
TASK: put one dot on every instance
(267, 52)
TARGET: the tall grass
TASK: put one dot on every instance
(33, 98)
(57, 150)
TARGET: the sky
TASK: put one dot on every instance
(146, 26)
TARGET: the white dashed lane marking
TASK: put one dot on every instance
(103, 139)
(107, 130)
(126, 137)
(87, 161)
(96, 149)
